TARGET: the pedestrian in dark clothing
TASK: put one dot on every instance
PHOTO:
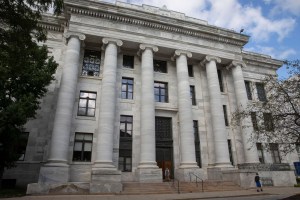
(257, 182)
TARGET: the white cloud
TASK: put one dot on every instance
(232, 15)
(290, 6)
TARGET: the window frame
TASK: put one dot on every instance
(158, 68)
(129, 58)
(229, 144)
(160, 95)
(191, 70)
(268, 122)
(126, 91)
(87, 108)
(261, 92)
(83, 143)
(261, 157)
(22, 146)
(275, 154)
(197, 143)
(220, 78)
(125, 144)
(96, 70)
(193, 95)
(225, 115)
(248, 90)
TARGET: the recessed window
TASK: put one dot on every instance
(275, 152)
(248, 90)
(193, 94)
(87, 104)
(128, 61)
(125, 147)
(268, 122)
(197, 143)
(127, 88)
(230, 151)
(160, 66)
(220, 80)
(22, 145)
(261, 93)
(191, 70)
(254, 121)
(161, 92)
(260, 152)
(83, 147)
(91, 63)
(225, 115)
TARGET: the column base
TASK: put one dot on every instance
(150, 175)
(51, 173)
(223, 165)
(106, 175)
(189, 174)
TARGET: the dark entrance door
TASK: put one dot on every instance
(164, 145)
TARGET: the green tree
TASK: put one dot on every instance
(25, 70)
(276, 120)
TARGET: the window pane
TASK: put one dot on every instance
(91, 112)
(88, 137)
(82, 103)
(77, 146)
(130, 96)
(77, 155)
(88, 147)
(84, 94)
(87, 156)
(79, 136)
(91, 63)
(92, 95)
(92, 104)
(81, 111)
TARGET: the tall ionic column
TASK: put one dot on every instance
(217, 114)
(251, 155)
(187, 141)
(148, 170)
(56, 169)
(104, 150)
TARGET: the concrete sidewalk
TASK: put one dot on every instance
(281, 192)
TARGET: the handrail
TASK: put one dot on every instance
(178, 190)
(197, 177)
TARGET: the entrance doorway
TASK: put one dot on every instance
(164, 145)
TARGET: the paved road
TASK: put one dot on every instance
(271, 193)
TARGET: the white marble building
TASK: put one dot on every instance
(140, 89)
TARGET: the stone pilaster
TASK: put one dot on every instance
(251, 155)
(148, 170)
(103, 169)
(217, 115)
(56, 170)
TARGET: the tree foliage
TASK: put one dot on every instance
(25, 69)
(276, 120)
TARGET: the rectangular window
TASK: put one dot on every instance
(83, 147)
(126, 126)
(191, 70)
(161, 92)
(87, 104)
(260, 152)
(220, 77)
(225, 115)
(22, 145)
(125, 148)
(254, 121)
(160, 66)
(193, 94)
(248, 90)
(91, 63)
(230, 151)
(268, 122)
(128, 61)
(197, 143)
(127, 88)
(261, 93)
(275, 152)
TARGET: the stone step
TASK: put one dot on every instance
(147, 188)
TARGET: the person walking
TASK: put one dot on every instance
(257, 182)
(167, 174)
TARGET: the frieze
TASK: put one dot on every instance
(207, 33)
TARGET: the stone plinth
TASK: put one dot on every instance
(189, 174)
(54, 174)
(151, 175)
(102, 175)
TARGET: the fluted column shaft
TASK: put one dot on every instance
(148, 157)
(65, 103)
(104, 150)
(217, 114)
(187, 142)
(251, 155)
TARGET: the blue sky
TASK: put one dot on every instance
(272, 24)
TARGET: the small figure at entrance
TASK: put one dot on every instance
(167, 174)
(257, 182)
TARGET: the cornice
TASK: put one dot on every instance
(52, 23)
(150, 20)
(260, 60)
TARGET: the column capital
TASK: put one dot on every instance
(209, 58)
(179, 52)
(145, 46)
(112, 40)
(80, 36)
(236, 63)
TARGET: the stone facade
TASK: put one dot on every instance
(196, 54)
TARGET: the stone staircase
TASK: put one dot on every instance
(172, 187)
